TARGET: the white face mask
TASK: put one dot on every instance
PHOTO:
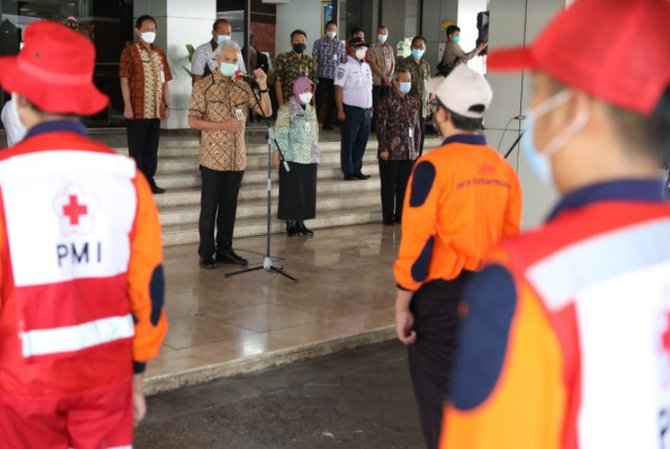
(382, 37)
(360, 53)
(305, 97)
(331, 34)
(149, 37)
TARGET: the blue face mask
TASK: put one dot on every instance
(417, 53)
(457, 39)
(540, 160)
(405, 87)
(221, 38)
(228, 69)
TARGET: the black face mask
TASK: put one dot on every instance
(299, 48)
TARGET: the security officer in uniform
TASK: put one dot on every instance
(353, 96)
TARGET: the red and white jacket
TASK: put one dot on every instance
(81, 280)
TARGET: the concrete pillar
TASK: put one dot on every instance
(179, 23)
(513, 23)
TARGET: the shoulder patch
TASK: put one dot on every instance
(341, 71)
(422, 183)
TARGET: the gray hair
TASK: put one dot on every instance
(226, 44)
(396, 74)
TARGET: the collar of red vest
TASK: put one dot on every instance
(629, 190)
(468, 139)
(57, 126)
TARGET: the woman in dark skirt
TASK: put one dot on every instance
(297, 134)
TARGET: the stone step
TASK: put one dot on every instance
(185, 234)
(179, 215)
(191, 178)
(258, 190)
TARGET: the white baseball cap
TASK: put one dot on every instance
(462, 89)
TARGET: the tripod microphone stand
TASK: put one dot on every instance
(268, 264)
(514, 144)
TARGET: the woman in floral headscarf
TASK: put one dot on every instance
(297, 134)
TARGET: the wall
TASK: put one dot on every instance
(513, 23)
(302, 14)
(434, 12)
(179, 23)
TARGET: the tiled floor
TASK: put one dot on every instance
(345, 287)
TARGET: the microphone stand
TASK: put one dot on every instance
(514, 144)
(268, 264)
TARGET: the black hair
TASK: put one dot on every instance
(382, 26)
(356, 30)
(217, 22)
(462, 122)
(451, 29)
(141, 19)
(418, 38)
(296, 32)
(331, 22)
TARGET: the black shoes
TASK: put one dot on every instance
(361, 176)
(231, 258)
(327, 127)
(389, 221)
(291, 228)
(301, 228)
(157, 190)
(349, 178)
(207, 263)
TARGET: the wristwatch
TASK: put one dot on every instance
(167, 106)
(264, 91)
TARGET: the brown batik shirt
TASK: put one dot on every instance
(289, 67)
(216, 98)
(398, 126)
(147, 69)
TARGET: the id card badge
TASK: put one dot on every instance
(308, 128)
(411, 132)
(336, 58)
(239, 114)
(162, 77)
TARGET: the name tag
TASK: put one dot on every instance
(335, 58)
(239, 114)
(162, 77)
(308, 128)
(411, 132)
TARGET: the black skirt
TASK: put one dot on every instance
(297, 192)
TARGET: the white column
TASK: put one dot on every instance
(179, 23)
(513, 23)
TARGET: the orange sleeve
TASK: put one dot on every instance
(507, 390)
(512, 218)
(146, 285)
(418, 226)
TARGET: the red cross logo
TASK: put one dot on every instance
(73, 210)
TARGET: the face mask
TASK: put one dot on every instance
(149, 37)
(228, 69)
(417, 53)
(331, 34)
(405, 87)
(20, 127)
(299, 48)
(457, 39)
(382, 37)
(540, 159)
(221, 38)
(305, 97)
(360, 54)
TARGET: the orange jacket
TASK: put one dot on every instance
(88, 300)
(461, 200)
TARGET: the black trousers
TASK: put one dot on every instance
(394, 176)
(218, 202)
(325, 93)
(143, 135)
(355, 132)
(431, 357)
(422, 123)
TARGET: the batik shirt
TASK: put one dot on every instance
(420, 74)
(383, 57)
(398, 127)
(297, 133)
(147, 69)
(289, 67)
(331, 53)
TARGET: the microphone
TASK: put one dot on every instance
(519, 117)
(245, 76)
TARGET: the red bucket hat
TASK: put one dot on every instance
(54, 71)
(623, 56)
